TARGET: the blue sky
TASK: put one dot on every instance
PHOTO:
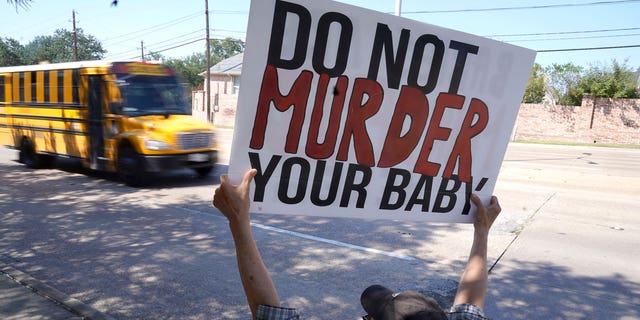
(168, 27)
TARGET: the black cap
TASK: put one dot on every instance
(383, 304)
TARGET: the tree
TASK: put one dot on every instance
(59, 47)
(616, 81)
(20, 3)
(225, 48)
(189, 68)
(11, 52)
(562, 79)
(534, 93)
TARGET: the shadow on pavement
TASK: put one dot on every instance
(543, 290)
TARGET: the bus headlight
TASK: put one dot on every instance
(156, 145)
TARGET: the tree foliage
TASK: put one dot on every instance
(20, 3)
(59, 47)
(568, 83)
(561, 79)
(11, 52)
(189, 68)
(225, 48)
(535, 91)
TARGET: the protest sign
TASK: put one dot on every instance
(348, 112)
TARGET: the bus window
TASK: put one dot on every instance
(152, 95)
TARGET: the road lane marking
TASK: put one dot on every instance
(314, 238)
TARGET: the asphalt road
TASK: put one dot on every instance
(162, 252)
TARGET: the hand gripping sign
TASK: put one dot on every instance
(347, 112)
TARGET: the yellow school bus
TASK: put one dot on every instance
(126, 117)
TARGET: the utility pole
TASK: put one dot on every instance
(398, 7)
(75, 37)
(142, 51)
(207, 80)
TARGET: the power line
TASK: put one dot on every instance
(177, 46)
(587, 49)
(560, 32)
(525, 7)
(576, 38)
(157, 27)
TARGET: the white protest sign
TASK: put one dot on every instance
(347, 112)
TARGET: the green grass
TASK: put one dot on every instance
(564, 143)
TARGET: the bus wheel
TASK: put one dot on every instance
(203, 171)
(130, 167)
(28, 155)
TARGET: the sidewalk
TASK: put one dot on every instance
(25, 298)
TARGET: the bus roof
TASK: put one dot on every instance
(64, 65)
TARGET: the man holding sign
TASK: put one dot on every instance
(347, 112)
(379, 302)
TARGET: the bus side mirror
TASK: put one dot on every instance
(116, 107)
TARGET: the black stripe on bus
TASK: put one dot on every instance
(46, 86)
(61, 86)
(74, 85)
(34, 86)
(2, 88)
(46, 105)
(21, 86)
(60, 119)
(31, 128)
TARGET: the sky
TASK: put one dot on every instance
(176, 29)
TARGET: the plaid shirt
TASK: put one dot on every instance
(466, 312)
(457, 312)
(275, 313)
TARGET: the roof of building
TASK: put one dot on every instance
(231, 66)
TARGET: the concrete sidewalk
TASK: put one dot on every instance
(24, 297)
(577, 255)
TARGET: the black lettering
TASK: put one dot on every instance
(360, 188)
(461, 59)
(391, 188)
(416, 62)
(274, 57)
(286, 179)
(262, 177)
(445, 192)
(424, 184)
(383, 39)
(467, 193)
(344, 44)
(333, 184)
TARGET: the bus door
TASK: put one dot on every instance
(96, 122)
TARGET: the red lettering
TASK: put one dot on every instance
(297, 97)
(355, 126)
(412, 103)
(461, 152)
(325, 149)
(436, 132)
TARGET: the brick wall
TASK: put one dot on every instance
(597, 120)
(227, 100)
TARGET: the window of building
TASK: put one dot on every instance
(236, 84)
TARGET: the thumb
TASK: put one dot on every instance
(224, 179)
(248, 176)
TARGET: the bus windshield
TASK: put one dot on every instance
(152, 95)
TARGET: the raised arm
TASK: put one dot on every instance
(474, 281)
(233, 201)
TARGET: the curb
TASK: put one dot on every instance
(63, 300)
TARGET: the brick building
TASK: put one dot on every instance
(225, 86)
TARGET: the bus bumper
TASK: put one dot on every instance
(179, 161)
